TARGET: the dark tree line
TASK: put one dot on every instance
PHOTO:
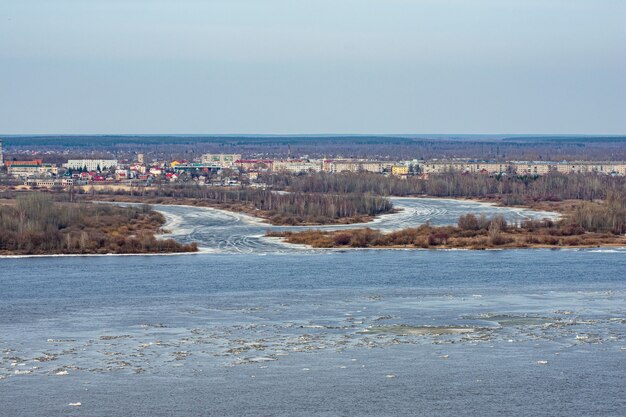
(283, 208)
(510, 189)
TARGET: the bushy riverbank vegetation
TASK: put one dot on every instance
(609, 216)
(278, 208)
(471, 233)
(588, 224)
(36, 224)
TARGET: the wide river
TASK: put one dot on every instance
(255, 327)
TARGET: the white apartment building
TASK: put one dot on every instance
(296, 165)
(532, 168)
(439, 167)
(353, 165)
(91, 164)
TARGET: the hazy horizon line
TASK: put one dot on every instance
(313, 134)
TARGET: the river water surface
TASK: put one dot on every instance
(252, 327)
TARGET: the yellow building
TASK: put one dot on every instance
(399, 170)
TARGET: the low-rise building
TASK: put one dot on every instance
(440, 167)
(197, 167)
(122, 174)
(33, 168)
(255, 164)
(607, 168)
(354, 165)
(400, 170)
(223, 160)
(489, 167)
(91, 164)
(571, 168)
(296, 165)
(49, 182)
(532, 168)
(24, 162)
(373, 166)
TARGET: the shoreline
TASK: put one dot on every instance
(248, 218)
(66, 255)
(608, 249)
(621, 245)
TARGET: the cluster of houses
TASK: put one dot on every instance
(229, 169)
(414, 167)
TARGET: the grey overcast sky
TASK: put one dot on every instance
(312, 66)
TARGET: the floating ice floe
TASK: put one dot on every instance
(24, 372)
(405, 330)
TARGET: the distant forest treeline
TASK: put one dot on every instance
(379, 147)
(511, 190)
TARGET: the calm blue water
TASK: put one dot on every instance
(253, 326)
(361, 333)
